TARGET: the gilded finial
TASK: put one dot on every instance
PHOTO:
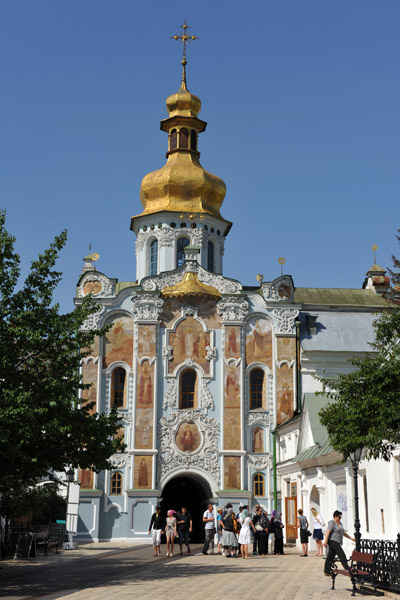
(281, 261)
(374, 249)
(260, 278)
(185, 39)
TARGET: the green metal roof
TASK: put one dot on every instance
(339, 297)
(312, 406)
(314, 451)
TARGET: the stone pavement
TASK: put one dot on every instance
(114, 571)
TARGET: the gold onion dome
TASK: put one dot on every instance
(190, 286)
(182, 185)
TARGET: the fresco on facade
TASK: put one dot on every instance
(232, 429)
(86, 478)
(257, 440)
(286, 348)
(92, 287)
(172, 310)
(232, 387)
(259, 341)
(147, 340)
(189, 341)
(187, 437)
(118, 342)
(142, 472)
(284, 393)
(89, 375)
(232, 472)
(144, 385)
(232, 342)
(144, 428)
(120, 434)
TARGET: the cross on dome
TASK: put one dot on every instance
(185, 39)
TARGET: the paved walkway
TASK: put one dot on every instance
(110, 571)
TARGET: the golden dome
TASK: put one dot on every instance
(190, 286)
(182, 185)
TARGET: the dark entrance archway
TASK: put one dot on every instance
(191, 492)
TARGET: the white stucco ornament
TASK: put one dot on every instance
(233, 309)
(146, 307)
(286, 318)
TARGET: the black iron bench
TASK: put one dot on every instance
(45, 542)
(362, 570)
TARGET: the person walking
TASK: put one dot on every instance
(334, 540)
(318, 523)
(170, 532)
(209, 529)
(245, 534)
(302, 524)
(184, 523)
(156, 526)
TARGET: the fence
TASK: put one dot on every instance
(56, 533)
(388, 561)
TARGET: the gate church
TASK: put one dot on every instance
(202, 369)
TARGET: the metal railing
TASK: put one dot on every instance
(56, 533)
(388, 561)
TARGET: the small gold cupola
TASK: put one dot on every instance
(182, 184)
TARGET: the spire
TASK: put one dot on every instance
(185, 39)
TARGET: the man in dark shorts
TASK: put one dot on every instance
(184, 523)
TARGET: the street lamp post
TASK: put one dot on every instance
(355, 458)
(70, 476)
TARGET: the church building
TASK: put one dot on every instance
(209, 376)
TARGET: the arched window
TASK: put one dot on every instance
(183, 138)
(187, 389)
(256, 388)
(180, 251)
(174, 140)
(210, 256)
(193, 140)
(118, 388)
(116, 484)
(258, 485)
(153, 257)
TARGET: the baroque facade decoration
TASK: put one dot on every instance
(210, 377)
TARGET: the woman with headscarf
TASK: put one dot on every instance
(245, 534)
(278, 531)
(229, 541)
(262, 524)
(170, 532)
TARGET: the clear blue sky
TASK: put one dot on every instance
(302, 102)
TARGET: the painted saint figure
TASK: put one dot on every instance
(143, 481)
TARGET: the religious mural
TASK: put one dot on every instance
(147, 340)
(232, 429)
(144, 428)
(172, 310)
(145, 385)
(92, 287)
(284, 393)
(232, 472)
(232, 342)
(232, 388)
(286, 348)
(189, 341)
(86, 478)
(187, 437)
(118, 342)
(142, 472)
(89, 375)
(259, 341)
(257, 440)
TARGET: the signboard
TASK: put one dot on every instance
(26, 546)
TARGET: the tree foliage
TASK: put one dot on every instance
(42, 424)
(365, 412)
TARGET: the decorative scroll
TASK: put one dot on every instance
(92, 322)
(233, 308)
(96, 284)
(286, 318)
(146, 307)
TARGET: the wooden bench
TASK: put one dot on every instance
(362, 570)
(44, 542)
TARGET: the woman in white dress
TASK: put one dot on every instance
(245, 534)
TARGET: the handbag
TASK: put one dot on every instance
(309, 533)
(259, 527)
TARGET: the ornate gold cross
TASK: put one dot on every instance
(185, 39)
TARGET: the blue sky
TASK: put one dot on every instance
(302, 102)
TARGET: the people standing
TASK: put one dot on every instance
(209, 529)
(184, 523)
(334, 540)
(229, 540)
(318, 523)
(156, 526)
(302, 524)
(258, 529)
(263, 530)
(219, 530)
(245, 533)
(170, 532)
(278, 533)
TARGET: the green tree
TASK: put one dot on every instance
(365, 408)
(42, 424)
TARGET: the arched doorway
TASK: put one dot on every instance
(191, 492)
